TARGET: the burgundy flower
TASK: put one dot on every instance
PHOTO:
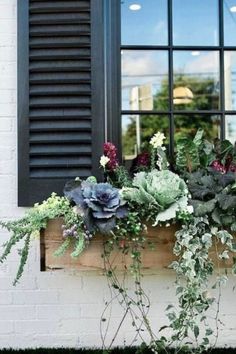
(143, 159)
(232, 167)
(111, 152)
(218, 166)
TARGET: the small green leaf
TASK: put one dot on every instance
(196, 331)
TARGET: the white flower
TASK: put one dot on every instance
(159, 162)
(104, 160)
(214, 230)
(190, 209)
(157, 140)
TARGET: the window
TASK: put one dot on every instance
(96, 70)
(178, 70)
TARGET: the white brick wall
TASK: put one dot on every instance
(59, 309)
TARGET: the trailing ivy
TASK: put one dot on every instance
(193, 268)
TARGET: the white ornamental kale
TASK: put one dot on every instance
(99, 204)
(161, 191)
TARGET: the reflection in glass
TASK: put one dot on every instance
(195, 22)
(145, 23)
(137, 131)
(187, 125)
(196, 80)
(144, 80)
(230, 128)
(230, 80)
(229, 22)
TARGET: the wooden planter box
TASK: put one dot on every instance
(158, 259)
(51, 238)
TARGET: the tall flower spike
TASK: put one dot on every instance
(110, 152)
(157, 140)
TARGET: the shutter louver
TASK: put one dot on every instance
(59, 48)
(60, 107)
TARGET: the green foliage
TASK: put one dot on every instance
(194, 268)
(160, 193)
(119, 177)
(213, 194)
(194, 153)
(159, 196)
(79, 246)
(29, 226)
(63, 248)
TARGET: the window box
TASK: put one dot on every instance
(161, 237)
(158, 259)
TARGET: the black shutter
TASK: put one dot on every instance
(60, 94)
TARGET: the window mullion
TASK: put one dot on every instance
(222, 82)
(171, 78)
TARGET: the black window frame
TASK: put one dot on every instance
(170, 47)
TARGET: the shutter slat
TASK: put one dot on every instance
(60, 77)
(60, 42)
(60, 113)
(60, 18)
(50, 30)
(60, 89)
(66, 89)
(59, 53)
(55, 161)
(60, 125)
(59, 66)
(57, 149)
(57, 6)
(59, 173)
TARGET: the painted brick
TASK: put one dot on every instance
(35, 297)
(5, 298)
(58, 309)
(58, 312)
(6, 124)
(6, 327)
(7, 11)
(12, 312)
(8, 25)
(37, 326)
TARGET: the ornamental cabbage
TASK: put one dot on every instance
(99, 203)
(161, 194)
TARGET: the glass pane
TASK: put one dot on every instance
(144, 22)
(187, 125)
(196, 80)
(137, 131)
(195, 22)
(230, 128)
(230, 80)
(144, 80)
(229, 22)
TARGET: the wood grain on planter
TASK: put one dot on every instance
(160, 258)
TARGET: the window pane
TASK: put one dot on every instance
(187, 125)
(230, 80)
(144, 80)
(230, 128)
(137, 131)
(195, 22)
(144, 22)
(229, 22)
(196, 80)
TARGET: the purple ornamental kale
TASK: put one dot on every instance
(100, 204)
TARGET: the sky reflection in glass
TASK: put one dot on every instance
(148, 25)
